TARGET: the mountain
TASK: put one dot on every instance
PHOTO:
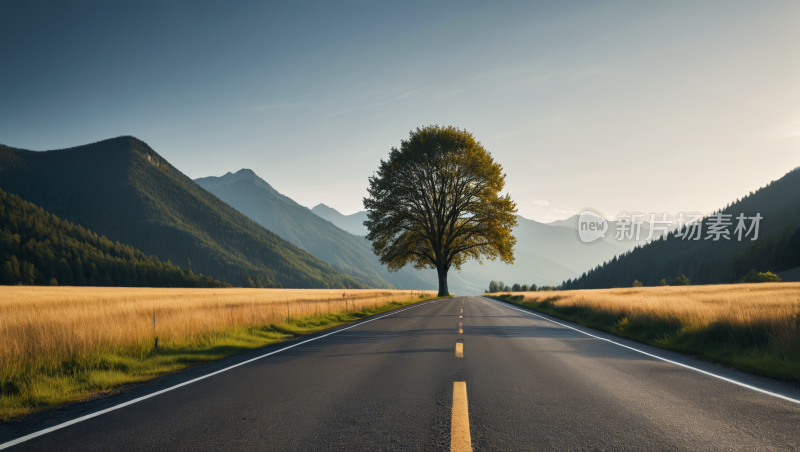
(545, 255)
(625, 244)
(568, 223)
(352, 254)
(348, 253)
(124, 190)
(39, 248)
(353, 224)
(715, 262)
(561, 244)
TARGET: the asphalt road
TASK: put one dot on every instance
(388, 384)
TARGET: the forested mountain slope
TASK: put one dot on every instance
(38, 248)
(708, 261)
(123, 189)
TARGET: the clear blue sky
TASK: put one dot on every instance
(650, 106)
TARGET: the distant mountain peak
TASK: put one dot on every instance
(246, 172)
(353, 223)
(242, 174)
(324, 208)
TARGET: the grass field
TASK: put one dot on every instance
(63, 344)
(755, 327)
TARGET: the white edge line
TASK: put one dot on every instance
(31, 436)
(763, 391)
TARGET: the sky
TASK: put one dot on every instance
(613, 105)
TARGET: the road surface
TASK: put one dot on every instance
(521, 382)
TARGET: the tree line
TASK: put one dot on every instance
(500, 286)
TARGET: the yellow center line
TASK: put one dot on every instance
(459, 349)
(460, 331)
(460, 440)
(461, 317)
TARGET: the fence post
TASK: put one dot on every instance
(154, 331)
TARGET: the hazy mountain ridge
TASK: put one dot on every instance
(123, 189)
(611, 235)
(562, 245)
(348, 253)
(549, 242)
(353, 254)
(545, 255)
(353, 223)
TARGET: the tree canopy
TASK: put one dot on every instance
(435, 203)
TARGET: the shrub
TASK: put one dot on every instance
(681, 280)
(753, 277)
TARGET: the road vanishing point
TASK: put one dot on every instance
(458, 374)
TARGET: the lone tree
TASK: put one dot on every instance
(435, 203)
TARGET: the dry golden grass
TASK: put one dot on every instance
(771, 305)
(59, 345)
(738, 323)
(52, 323)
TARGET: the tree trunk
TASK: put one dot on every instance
(443, 292)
